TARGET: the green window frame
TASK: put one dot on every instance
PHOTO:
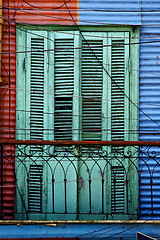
(65, 92)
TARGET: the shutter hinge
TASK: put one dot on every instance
(25, 64)
(129, 65)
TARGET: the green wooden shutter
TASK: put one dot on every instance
(37, 115)
(90, 196)
(119, 123)
(37, 89)
(32, 115)
(117, 190)
(117, 90)
(63, 86)
(91, 88)
(118, 87)
(36, 71)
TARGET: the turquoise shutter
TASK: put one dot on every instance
(63, 85)
(36, 77)
(120, 193)
(91, 197)
(36, 73)
(119, 117)
(37, 89)
(119, 87)
(64, 195)
(91, 88)
(35, 100)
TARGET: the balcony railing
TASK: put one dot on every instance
(54, 180)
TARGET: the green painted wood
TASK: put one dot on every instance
(66, 78)
(91, 87)
(105, 102)
(50, 87)
(77, 100)
(120, 87)
(20, 104)
(36, 79)
(63, 85)
(134, 95)
(20, 118)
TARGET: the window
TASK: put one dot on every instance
(71, 87)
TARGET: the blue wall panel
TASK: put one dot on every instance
(149, 89)
(109, 12)
(147, 14)
(83, 231)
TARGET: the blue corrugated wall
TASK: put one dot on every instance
(109, 12)
(145, 13)
(149, 98)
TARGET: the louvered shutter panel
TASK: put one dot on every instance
(91, 89)
(117, 90)
(63, 87)
(35, 188)
(117, 190)
(37, 114)
(37, 89)
(35, 85)
(119, 115)
(119, 59)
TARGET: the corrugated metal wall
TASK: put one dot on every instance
(45, 12)
(131, 12)
(8, 105)
(150, 104)
(109, 12)
(17, 11)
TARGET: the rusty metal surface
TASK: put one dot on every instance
(63, 143)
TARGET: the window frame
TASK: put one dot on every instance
(133, 66)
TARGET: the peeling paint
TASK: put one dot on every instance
(81, 183)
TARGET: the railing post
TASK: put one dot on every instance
(1, 214)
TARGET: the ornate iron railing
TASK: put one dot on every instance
(80, 180)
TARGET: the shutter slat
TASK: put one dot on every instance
(63, 87)
(117, 190)
(35, 188)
